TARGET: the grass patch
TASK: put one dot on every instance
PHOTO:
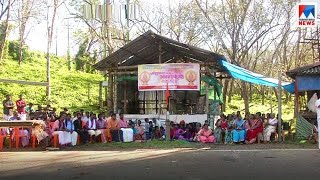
(154, 144)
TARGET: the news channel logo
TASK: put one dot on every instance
(306, 14)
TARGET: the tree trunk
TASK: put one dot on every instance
(230, 91)
(244, 94)
(6, 27)
(287, 97)
(20, 51)
(275, 92)
(263, 95)
(250, 92)
(224, 94)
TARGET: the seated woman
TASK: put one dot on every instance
(22, 131)
(271, 126)
(157, 133)
(139, 133)
(228, 134)
(163, 133)
(196, 132)
(205, 135)
(255, 127)
(188, 135)
(42, 131)
(238, 133)
(178, 132)
(221, 128)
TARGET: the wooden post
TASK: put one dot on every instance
(279, 106)
(296, 99)
(89, 84)
(160, 61)
(271, 106)
(214, 88)
(207, 98)
(110, 92)
(125, 94)
(144, 102)
(106, 91)
(157, 99)
(100, 95)
(115, 94)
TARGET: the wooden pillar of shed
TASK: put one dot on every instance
(158, 92)
(125, 98)
(115, 93)
(110, 92)
(296, 99)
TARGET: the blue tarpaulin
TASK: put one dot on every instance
(248, 76)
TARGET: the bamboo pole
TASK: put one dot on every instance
(100, 95)
(296, 99)
(125, 94)
(279, 106)
(115, 94)
(110, 93)
(24, 82)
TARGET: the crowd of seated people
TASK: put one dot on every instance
(84, 127)
(248, 130)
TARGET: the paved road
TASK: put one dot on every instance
(163, 164)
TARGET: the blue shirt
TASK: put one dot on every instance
(240, 124)
(69, 125)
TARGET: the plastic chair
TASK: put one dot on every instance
(18, 136)
(78, 140)
(3, 134)
(33, 141)
(55, 140)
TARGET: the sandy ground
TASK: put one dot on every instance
(163, 164)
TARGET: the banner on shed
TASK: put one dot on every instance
(178, 76)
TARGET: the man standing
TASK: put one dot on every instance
(7, 107)
(21, 108)
(318, 118)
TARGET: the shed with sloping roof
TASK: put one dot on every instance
(307, 82)
(121, 69)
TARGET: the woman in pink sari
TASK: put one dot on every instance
(205, 135)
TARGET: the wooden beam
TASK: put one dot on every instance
(24, 82)
(136, 66)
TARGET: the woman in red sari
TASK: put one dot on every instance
(255, 127)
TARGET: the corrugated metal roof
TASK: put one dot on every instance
(311, 69)
(145, 50)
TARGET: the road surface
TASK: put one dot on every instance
(186, 164)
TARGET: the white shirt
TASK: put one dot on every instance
(157, 123)
(85, 119)
(317, 104)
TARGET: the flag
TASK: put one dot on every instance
(167, 95)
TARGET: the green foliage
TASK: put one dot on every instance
(71, 89)
(271, 104)
(13, 51)
(83, 60)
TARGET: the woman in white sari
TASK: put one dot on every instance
(271, 127)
